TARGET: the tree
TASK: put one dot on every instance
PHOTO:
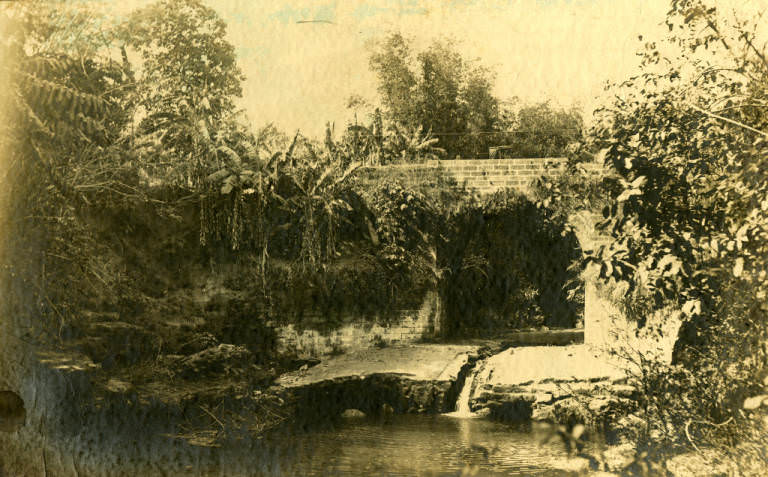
(189, 76)
(438, 90)
(64, 145)
(392, 64)
(540, 130)
(687, 139)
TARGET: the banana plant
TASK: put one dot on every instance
(249, 180)
(319, 181)
(318, 201)
(411, 144)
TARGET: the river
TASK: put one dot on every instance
(416, 445)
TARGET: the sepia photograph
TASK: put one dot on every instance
(457, 238)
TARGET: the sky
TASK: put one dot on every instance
(299, 75)
(303, 59)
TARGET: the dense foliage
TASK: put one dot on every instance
(61, 137)
(438, 90)
(442, 92)
(687, 140)
(537, 130)
(506, 264)
(136, 183)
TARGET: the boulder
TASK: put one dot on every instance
(525, 397)
(544, 398)
(518, 410)
(352, 414)
(217, 361)
(599, 404)
(199, 342)
(496, 396)
(304, 363)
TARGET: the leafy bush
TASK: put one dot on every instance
(686, 140)
(406, 227)
(506, 265)
(682, 408)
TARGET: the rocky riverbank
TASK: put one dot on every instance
(563, 384)
(213, 396)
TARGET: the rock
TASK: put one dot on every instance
(221, 360)
(304, 363)
(527, 397)
(518, 410)
(352, 414)
(599, 405)
(543, 398)
(556, 390)
(492, 396)
(200, 342)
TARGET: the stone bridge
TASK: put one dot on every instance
(604, 324)
(482, 176)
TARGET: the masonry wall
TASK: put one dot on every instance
(606, 328)
(489, 175)
(411, 326)
(483, 176)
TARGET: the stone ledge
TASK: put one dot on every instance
(544, 338)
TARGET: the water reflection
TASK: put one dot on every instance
(420, 445)
(409, 445)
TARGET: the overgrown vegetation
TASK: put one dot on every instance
(451, 97)
(133, 181)
(147, 227)
(684, 142)
(506, 264)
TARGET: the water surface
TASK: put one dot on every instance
(417, 445)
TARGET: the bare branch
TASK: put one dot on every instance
(728, 120)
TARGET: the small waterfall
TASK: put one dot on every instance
(462, 403)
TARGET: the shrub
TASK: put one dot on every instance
(506, 265)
